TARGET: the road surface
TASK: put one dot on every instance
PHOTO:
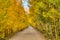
(28, 34)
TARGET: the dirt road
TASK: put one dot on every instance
(28, 34)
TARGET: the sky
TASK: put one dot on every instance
(25, 5)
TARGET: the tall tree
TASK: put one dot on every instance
(43, 15)
(12, 17)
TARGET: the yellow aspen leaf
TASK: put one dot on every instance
(53, 10)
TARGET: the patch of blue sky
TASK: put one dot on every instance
(25, 3)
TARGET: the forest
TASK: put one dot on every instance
(44, 15)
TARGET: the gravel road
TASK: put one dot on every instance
(28, 34)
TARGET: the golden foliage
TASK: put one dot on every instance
(45, 17)
(12, 18)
